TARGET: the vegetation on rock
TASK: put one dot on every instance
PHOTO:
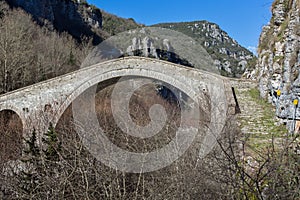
(231, 58)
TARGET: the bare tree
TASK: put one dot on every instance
(30, 53)
(64, 169)
(16, 51)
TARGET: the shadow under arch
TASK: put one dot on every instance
(11, 135)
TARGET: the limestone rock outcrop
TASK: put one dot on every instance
(229, 57)
(279, 60)
(75, 17)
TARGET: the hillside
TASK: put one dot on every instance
(76, 17)
(113, 24)
(42, 39)
(82, 20)
(230, 58)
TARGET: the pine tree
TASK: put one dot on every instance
(52, 144)
(33, 149)
(28, 178)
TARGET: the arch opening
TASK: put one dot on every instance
(159, 91)
(141, 101)
(65, 121)
(139, 113)
(11, 135)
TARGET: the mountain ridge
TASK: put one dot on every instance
(230, 57)
(82, 20)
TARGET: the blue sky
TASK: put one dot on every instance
(241, 19)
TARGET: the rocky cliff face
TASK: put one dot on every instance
(229, 57)
(75, 17)
(279, 60)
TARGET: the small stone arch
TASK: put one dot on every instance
(11, 135)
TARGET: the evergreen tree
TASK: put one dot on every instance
(52, 144)
(33, 149)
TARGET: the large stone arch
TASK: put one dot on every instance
(121, 73)
(150, 68)
(57, 94)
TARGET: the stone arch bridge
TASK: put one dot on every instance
(39, 104)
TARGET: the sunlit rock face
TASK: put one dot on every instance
(279, 59)
(229, 57)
